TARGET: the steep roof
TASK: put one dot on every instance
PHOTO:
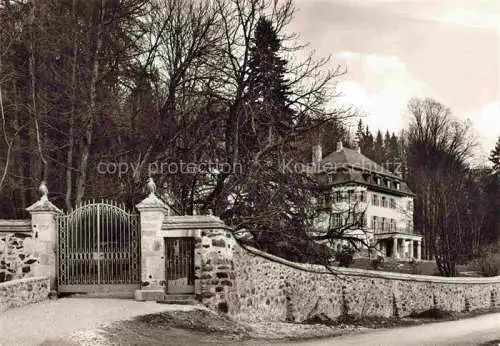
(350, 166)
(346, 157)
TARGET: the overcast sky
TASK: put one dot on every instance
(397, 49)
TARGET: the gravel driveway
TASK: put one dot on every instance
(51, 322)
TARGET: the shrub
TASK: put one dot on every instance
(488, 264)
(345, 257)
(375, 263)
(415, 267)
(292, 247)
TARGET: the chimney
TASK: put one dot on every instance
(339, 146)
(317, 154)
(357, 145)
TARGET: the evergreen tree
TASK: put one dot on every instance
(360, 134)
(495, 156)
(393, 152)
(269, 117)
(332, 133)
(378, 148)
(268, 138)
(367, 148)
(493, 196)
(387, 139)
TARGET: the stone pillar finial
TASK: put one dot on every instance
(43, 205)
(44, 190)
(151, 186)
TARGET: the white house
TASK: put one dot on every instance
(360, 189)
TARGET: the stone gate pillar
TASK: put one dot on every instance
(45, 237)
(152, 213)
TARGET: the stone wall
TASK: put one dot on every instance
(250, 287)
(21, 292)
(16, 250)
(215, 269)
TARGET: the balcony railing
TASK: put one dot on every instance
(388, 229)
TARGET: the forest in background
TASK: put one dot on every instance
(218, 81)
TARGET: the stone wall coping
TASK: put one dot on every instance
(193, 222)
(22, 281)
(153, 203)
(374, 274)
(15, 226)
(42, 206)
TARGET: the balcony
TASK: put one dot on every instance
(387, 229)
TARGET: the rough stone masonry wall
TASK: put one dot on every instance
(22, 292)
(215, 269)
(16, 255)
(254, 288)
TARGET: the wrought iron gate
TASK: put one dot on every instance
(179, 270)
(99, 249)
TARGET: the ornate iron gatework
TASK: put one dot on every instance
(99, 249)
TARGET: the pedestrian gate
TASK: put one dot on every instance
(99, 249)
(179, 266)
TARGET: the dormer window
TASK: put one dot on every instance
(398, 185)
(388, 183)
(377, 180)
(330, 178)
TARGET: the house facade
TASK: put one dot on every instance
(367, 202)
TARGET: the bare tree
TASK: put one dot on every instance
(5, 137)
(438, 147)
(95, 41)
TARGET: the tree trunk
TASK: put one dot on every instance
(8, 142)
(19, 154)
(34, 95)
(71, 130)
(87, 140)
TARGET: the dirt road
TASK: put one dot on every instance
(468, 332)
